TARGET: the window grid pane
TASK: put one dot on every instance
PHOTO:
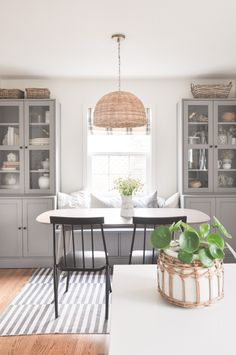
(107, 168)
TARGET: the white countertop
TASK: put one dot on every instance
(143, 323)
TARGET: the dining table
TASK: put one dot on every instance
(113, 219)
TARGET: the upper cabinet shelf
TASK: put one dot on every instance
(209, 146)
(27, 147)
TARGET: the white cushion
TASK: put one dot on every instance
(170, 202)
(105, 202)
(149, 201)
(78, 199)
(109, 201)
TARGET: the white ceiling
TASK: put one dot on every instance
(71, 38)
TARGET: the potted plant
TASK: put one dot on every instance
(190, 268)
(127, 187)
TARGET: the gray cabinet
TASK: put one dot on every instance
(25, 242)
(28, 180)
(37, 237)
(223, 207)
(208, 138)
(226, 213)
(204, 204)
(11, 228)
(27, 147)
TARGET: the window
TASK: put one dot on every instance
(114, 153)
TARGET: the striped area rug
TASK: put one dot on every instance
(81, 309)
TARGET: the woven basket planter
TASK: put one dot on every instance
(219, 91)
(37, 93)
(11, 94)
(189, 286)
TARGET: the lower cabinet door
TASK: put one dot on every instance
(10, 228)
(226, 213)
(37, 237)
(203, 204)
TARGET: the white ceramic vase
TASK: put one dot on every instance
(127, 209)
(44, 181)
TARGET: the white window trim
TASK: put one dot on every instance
(151, 158)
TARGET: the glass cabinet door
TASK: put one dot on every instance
(225, 146)
(39, 150)
(198, 146)
(11, 147)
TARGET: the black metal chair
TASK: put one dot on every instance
(146, 225)
(76, 257)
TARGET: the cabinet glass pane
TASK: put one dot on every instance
(226, 124)
(226, 168)
(39, 123)
(9, 125)
(198, 124)
(9, 169)
(39, 164)
(198, 168)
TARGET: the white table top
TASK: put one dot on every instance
(113, 218)
(142, 323)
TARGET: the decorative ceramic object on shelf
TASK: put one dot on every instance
(222, 136)
(195, 183)
(10, 179)
(190, 269)
(225, 180)
(11, 157)
(193, 140)
(45, 164)
(47, 117)
(44, 181)
(229, 116)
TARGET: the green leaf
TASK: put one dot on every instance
(231, 250)
(161, 237)
(216, 252)
(189, 241)
(185, 257)
(204, 230)
(205, 257)
(221, 228)
(187, 227)
(216, 239)
(175, 226)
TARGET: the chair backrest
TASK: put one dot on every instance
(146, 224)
(77, 227)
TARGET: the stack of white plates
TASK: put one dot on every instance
(39, 141)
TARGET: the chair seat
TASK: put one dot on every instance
(137, 256)
(99, 259)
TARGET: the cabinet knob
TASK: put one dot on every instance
(211, 146)
(21, 147)
(24, 228)
(26, 147)
(216, 146)
(19, 228)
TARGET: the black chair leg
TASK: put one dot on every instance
(67, 281)
(107, 284)
(55, 283)
(110, 288)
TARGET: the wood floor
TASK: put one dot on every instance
(11, 281)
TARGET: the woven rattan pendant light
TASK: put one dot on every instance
(119, 109)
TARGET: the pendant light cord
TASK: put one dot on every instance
(118, 40)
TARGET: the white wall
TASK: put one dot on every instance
(76, 95)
